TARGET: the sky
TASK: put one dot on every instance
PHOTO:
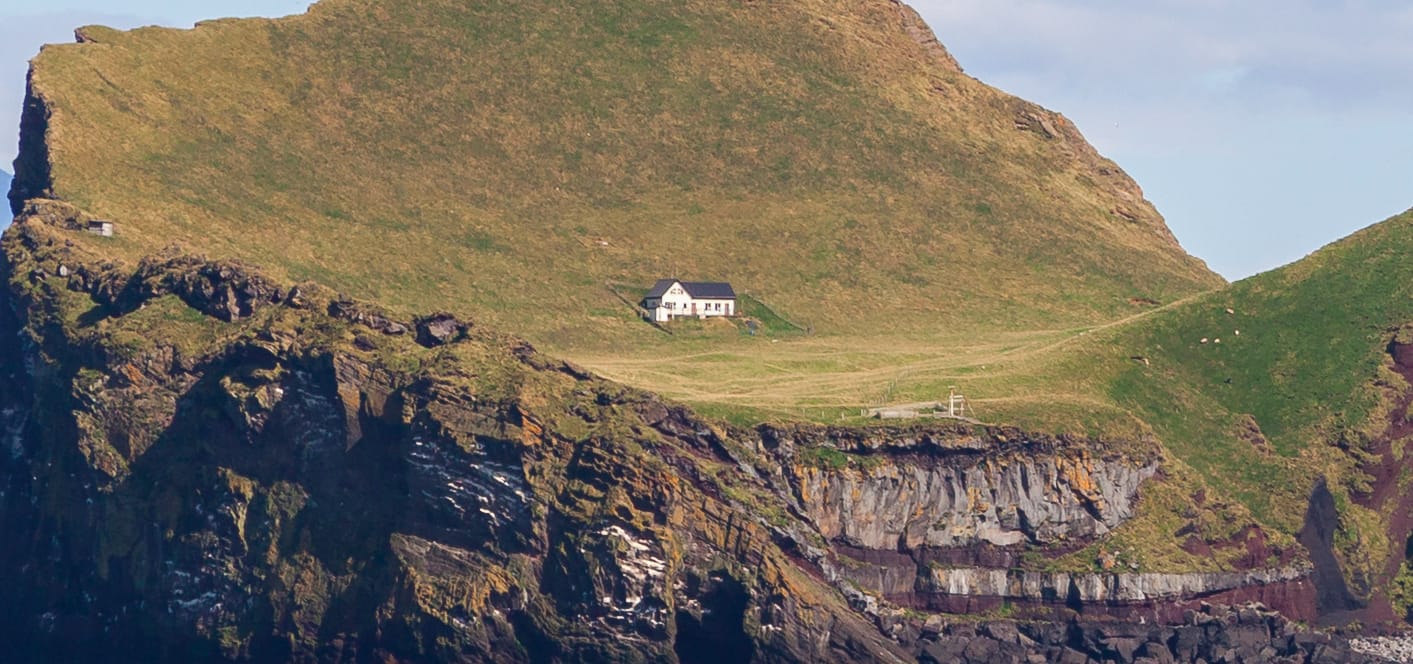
(1261, 129)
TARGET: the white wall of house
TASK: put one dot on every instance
(707, 307)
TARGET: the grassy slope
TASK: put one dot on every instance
(1309, 368)
(506, 159)
(1306, 367)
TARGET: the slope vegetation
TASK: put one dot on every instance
(1259, 392)
(1291, 376)
(507, 160)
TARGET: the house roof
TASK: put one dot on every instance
(660, 288)
(714, 290)
(709, 289)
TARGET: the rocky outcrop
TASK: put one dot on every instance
(1391, 649)
(950, 518)
(202, 463)
(918, 29)
(1093, 587)
(955, 500)
(225, 290)
(1211, 634)
(32, 177)
(440, 329)
(1156, 596)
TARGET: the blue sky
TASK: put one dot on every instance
(1261, 129)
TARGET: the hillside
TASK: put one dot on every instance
(1303, 374)
(506, 161)
(1259, 391)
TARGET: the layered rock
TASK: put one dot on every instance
(978, 497)
(1095, 587)
(949, 518)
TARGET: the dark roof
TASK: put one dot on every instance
(700, 289)
(709, 289)
(660, 288)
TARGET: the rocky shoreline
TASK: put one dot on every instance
(1250, 633)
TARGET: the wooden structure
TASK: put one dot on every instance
(100, 227)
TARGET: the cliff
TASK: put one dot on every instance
(205, 461)
(202, 460)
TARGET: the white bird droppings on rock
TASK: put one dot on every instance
(1392, 648)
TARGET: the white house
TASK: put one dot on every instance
(670, 298)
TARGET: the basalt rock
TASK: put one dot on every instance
(1003, 499)
(355, 312)
(276, 492)
(1249, 633)
(909, 489)
(440, 329)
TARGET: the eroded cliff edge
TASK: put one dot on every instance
(203, 460)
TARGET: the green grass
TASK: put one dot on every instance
(1306, 370)
(768, 321)
(1304, 367)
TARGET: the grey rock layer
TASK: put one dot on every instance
(954, 502)
(1096, 587)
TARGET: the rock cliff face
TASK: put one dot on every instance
(1154, 596)
(1209, 634)
(979, 496)
(204, 462)
(31, 178)
(940, 521)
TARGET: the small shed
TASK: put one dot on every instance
(100, 227)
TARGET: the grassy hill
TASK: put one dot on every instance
(506, 160)
(1256, 391)
(1301, 385)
